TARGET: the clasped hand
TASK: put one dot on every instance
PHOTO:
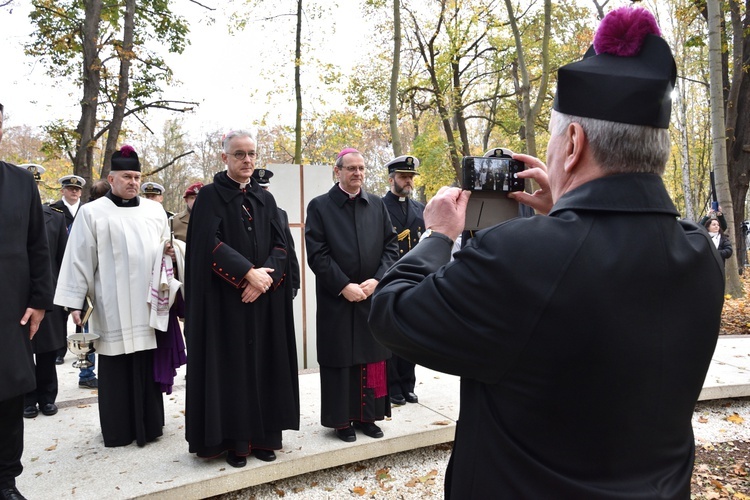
(354, 292)
(259, 281)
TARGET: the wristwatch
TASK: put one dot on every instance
(434, 234)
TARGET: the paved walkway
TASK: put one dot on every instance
(65, 457)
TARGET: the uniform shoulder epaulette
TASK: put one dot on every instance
(56, 209)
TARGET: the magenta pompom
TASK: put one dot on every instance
(622, 31)
(126, 150)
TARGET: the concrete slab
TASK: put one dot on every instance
(65, 456)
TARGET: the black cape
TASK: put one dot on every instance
(242, 377)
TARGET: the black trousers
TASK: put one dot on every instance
(11, 440)
(401, 378)
(46, 380)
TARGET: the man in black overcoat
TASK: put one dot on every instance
(242, 382)
(52, 332)
(406, 217)
(583, 337)
(27, 291)
(71, 188)
(350, 244)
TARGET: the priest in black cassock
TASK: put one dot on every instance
(350, 245)
(27, 293)
(242, 383)
(406, 217)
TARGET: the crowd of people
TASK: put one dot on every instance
(582, 335)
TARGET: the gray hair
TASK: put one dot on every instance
(234, 134)
(620, 148)
(340, 160)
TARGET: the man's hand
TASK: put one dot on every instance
(76, 315)
(169, 250)
(368, 286)
(260, 278)
(541, 200)
(35, 316)
(353, 293)
(250, 294)
(446, 211)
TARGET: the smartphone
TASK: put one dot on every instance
(714, 206)
(480, 173)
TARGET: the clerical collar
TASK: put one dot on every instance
(350, 195)
(242, 185)
(74, 207)
(402, 199)
(133, 202)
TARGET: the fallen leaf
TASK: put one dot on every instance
(51, 448)
(442, 422)
(412, 483)
(735, 418)
(703, 420)
(358, 490)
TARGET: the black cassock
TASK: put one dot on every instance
(242, 382)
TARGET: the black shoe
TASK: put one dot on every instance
(398, 400)
(265, 455)
(236, 460)
(369, 429)
(346, 434)
(59, 360)
(29, 412)
(411, 398)
(88, 384)
(49, 409)
(11, 494)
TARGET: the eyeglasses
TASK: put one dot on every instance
(354, 169)
(240, 155)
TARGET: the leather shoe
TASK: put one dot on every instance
(398, 400)
(11, 493)
(236, 460)
(30, 412)
(49, 409)
(369, 429)
(88, 384)
(59, 360)
(411, 398)
(265, 455)
(346, 434)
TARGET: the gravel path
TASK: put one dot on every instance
(419, 473)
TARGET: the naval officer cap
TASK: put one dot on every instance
(152, 188)
(262, 176)
(627, 75)
(36, 170)
(405, 164)
(499, 153)
(126, 159)
(72, 181)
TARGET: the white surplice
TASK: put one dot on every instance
(109, 256)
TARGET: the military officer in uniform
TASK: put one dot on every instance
(179, 223)
(406, 217)
(154, 191)
(71, 187)
(51, 335)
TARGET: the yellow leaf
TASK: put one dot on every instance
(735, 419)
(51, 448)
(358, 490)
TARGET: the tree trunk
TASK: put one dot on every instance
(125, 53)
(82, 163)
(298, 87)
(682, 121)
(395, 68)
(719, 140)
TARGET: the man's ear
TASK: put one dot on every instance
(575, 144)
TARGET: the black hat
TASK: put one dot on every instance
(405, 164)
(126, 159)
(262, 176)
(627, 76)
(499, 153)
(36, 170)
(71, 180)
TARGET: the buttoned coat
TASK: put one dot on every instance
(410, 226)
(69, 217)
(347, 242)
(53, 331)
(582, 340)
(179, 225)
(26, 276)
